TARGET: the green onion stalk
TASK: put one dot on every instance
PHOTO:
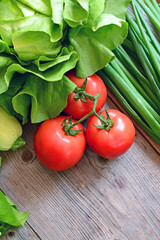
(134, 75)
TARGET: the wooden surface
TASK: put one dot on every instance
(98, 199)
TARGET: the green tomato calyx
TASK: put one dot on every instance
(81, 94)
(106, 123)
(68, 125)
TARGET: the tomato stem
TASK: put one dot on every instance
(80, 93)
(93, 111)
(105, 123)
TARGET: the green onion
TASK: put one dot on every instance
(127, 44)
(134, 97)
(142, 88)
(146, 42)
(152, 8)
(127, 106)
(156, 6)
(132, 65)
(146, 65)
(134, 75)
(150, 33)
(152, 17)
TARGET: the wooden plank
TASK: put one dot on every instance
(22, 233)
(97, 199)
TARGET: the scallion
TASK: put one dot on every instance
(134, 75)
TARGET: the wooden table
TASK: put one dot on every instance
(97, 199)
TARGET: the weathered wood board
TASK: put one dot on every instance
(97, 199)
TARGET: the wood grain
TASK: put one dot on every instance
(21, 233)
(98, 199)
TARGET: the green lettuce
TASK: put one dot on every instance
(9, 214)
(41, 40)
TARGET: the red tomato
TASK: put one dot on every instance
(54, 148)
(113, 143)
(78, 108)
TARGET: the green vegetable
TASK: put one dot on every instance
(135, 104)
(41, 40)
(134, 75)
(129, 108)
(151, 14)
(10, 132)
(9, 214)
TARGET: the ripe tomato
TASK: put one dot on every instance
(54, 148)
(78, 108)
(113, 143)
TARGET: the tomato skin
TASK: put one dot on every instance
(54, 148)
(78, 108)
(113, 143)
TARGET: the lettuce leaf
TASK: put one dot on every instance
(9, 214)
(47, 99)
(41, 40)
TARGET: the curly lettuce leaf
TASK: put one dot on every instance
(34, 23)
(47, 99)
(101, 33)
(75, 12)
(27, 11)
(5, 62)
(9, 10)
(117, 8)
(41, 6)
(57, 18)
(16, 85)
(49, 69)
(41, 40)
